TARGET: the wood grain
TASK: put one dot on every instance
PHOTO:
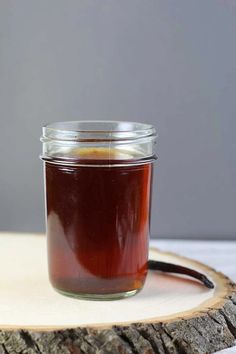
(170, 315)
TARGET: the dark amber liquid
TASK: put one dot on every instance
(98, 227)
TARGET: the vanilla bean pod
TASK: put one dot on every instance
(178, 269)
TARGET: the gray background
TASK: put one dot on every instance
(170, 63)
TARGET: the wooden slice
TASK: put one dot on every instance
(170, 315)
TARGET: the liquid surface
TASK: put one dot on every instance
(98, 225)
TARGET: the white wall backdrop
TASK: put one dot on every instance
(170, 63)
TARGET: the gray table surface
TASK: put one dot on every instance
(220, 255)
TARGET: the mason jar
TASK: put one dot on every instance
(98, 183)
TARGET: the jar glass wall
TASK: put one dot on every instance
(98, 180)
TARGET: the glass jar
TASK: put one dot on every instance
(98, 179)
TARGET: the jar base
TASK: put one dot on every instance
(99, 297)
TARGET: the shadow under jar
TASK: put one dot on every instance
(98, 179)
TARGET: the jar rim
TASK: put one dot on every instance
(97, 130)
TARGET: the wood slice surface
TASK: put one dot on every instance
(171, 314)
